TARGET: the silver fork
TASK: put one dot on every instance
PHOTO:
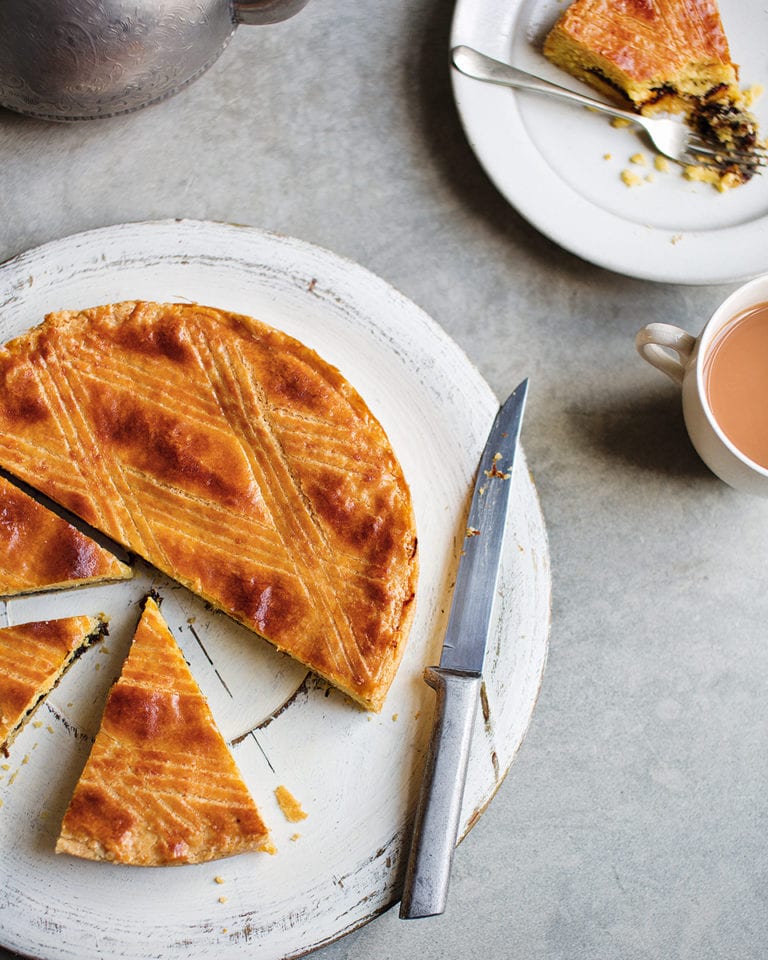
(670, 137)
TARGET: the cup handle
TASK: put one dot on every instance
(654, 343)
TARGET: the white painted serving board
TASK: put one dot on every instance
(356, 774)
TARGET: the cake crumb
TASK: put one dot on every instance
(639, 159)
(218, 879)
(290, 806)
(728, 181)
(661, 163)
(752, 93)
(494, 471)
(222, 899)
(701, 174)
(394, 717)
(630, 179)
(37, 724)
(720, 181)
(295, 837)
(620, 123)
(607, 156)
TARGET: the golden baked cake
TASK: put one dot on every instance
(234, 459)
(41, 551)
(657, 55)
(160, 786)
(33, 658)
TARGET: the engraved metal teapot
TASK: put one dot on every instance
(84, 59)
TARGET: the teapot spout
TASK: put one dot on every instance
(266, 11)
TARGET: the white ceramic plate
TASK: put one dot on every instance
(355, 774)
(549, 159)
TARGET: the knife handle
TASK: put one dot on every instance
(436, 825)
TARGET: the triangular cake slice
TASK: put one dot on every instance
(41, 551)
(234, 459)
(658, 55)
(33, 658)
(160, 786)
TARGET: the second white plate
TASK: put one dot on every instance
(560, 165)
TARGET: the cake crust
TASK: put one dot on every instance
(234, 459)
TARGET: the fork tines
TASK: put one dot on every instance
(703, 152)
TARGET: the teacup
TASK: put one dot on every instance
(691, 361)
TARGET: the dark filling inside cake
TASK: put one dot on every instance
(101, 630)
(723, 124)
(610, 83)
(719, 122)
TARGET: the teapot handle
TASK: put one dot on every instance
(266, 11)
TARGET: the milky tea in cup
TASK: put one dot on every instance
(724, 377)
(736, 380)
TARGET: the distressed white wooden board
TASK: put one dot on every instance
(357, 775)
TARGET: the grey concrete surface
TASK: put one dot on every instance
(633, 823)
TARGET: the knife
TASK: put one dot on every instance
(458, 678)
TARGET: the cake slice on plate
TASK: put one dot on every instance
(33, 658)
(160, 786)
(658, 55)
(41, 551)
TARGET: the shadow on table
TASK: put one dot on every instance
(646, 432)
(439, 121)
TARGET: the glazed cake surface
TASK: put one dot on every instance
(160, 786)
(646, 52)
(41, 551)
(234, 459)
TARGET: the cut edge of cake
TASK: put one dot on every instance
(83, 632)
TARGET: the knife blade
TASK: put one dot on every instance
(458, 678)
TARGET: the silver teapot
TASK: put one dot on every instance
(84, 59)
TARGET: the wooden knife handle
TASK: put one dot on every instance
(436, 825)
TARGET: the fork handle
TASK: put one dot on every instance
(477, 65)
